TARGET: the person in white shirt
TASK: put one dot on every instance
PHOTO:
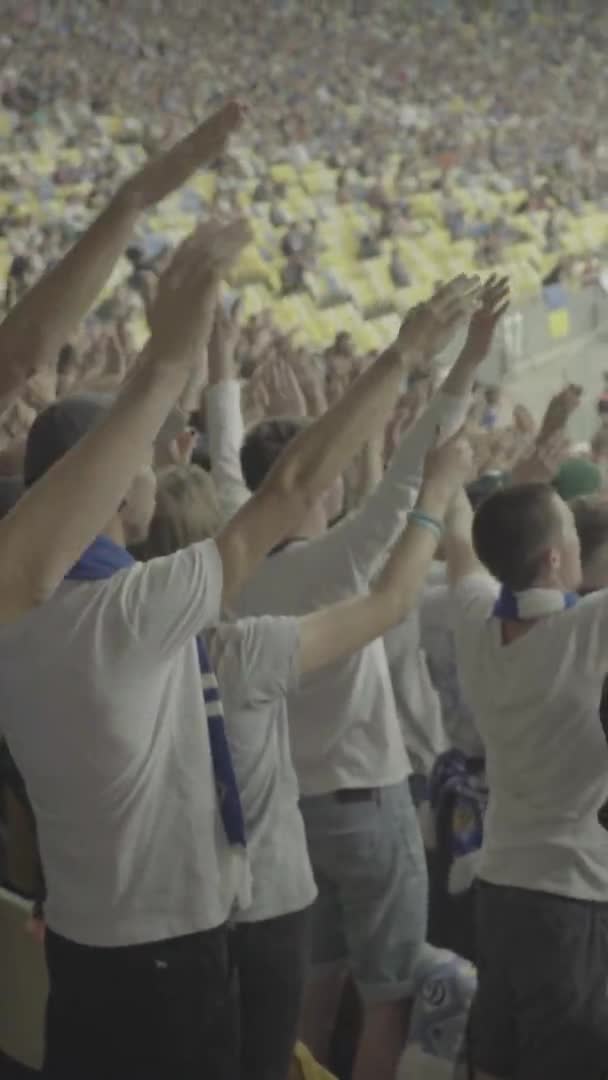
(258, 661)
(351, 763)
(532, 657)
(111, 713)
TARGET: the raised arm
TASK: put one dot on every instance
(320, 453)
(62, 513)
(224, 415)
(338, 631)
(460, 555)
(47, 316)
(362, 540)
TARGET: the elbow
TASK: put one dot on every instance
(395, 605)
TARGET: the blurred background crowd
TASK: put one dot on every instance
(391, 145)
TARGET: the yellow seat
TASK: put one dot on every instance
(204, 184)
(6, 123)
(284, 173)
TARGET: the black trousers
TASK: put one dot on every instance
(272, 958)
(161, 1011)
(541, 1008)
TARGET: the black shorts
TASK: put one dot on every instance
(541, 1009)
(159, 1011)
(272, 958)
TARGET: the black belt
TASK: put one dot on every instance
(357, 795)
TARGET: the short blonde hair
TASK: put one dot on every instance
(187, 510)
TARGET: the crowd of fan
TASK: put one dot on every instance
(457, 140)
(307, 512)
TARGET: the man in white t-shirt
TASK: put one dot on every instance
(106, 712)
(533, 658)
(352, 766)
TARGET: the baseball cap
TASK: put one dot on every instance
(577, 476)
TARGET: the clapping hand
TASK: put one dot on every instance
(559, 411)
(429, 327)
(448, 466)
(493, 302)
(183, 311)
(223, 343)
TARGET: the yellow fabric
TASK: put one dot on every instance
(559, 323)
(306, 1068)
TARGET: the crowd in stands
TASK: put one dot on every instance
(302, 628)
(435, 142)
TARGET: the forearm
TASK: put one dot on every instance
(399, 583)
(73, 502)
(225, 431)
(48, 315)
(459, 552)
(321, 452)
(338, 631)
(461, 378)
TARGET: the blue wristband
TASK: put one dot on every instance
(420, 518)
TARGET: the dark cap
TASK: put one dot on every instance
(58, 428)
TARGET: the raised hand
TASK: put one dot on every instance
(430, 326)
(558, 411)
(167, 172)
(524, 421)
(186, 298)
(285, 392)
(493, 302)
(449, 466)
(223, 344)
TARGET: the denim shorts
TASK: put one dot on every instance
(369, 863)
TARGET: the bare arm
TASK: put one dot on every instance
(46, 317)
(52, 524)
(224, 415)
(344, 628)
(320, 453)
(494, 303)
(460, 555)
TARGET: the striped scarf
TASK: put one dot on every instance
(105, 558)
(531, 603)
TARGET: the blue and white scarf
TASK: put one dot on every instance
(532, 603)
(102, 560)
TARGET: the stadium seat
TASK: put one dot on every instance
(23, 985)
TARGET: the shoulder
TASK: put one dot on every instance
(475, 595)
(255, 658)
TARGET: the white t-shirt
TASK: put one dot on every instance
(345, 732)
(437, 640)
(256, 662)
(536, 704)
(417, 700)
(102, 708)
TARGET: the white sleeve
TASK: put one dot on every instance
(473, 600)
(587, 629)
(366, 535)
(167, 601)
(255, 660)
(225, 432)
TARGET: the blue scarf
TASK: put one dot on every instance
(531, 603)
(105, 558)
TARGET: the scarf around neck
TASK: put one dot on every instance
(102, 560)
(531, 603)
